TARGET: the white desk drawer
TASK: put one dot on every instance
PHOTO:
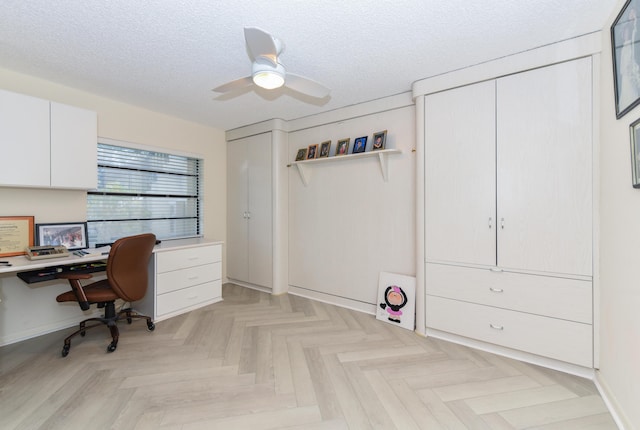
(180, 299)
(549, 337)
(179, 279)
(568, 299)
(188, 257)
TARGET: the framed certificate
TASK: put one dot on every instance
(16, 233)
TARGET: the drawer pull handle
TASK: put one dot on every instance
(496, 290)
(193, 278)
(193, 258)
(496, 327)
(495, 270)
(192, 297)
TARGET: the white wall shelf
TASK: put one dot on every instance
(383, 156)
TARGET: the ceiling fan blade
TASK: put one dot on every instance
(261, 45)
(306, 86)
(234, 85)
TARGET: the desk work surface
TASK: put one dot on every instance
(22, 263)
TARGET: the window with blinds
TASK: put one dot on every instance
(142, 191)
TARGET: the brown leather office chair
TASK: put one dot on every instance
(126, 279)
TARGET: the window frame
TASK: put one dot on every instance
(165, 151)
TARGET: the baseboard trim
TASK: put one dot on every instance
(48, 328)
(615, 410)
(355, 305)
(249, 285)
(573, 369)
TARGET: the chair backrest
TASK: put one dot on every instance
(127, 265)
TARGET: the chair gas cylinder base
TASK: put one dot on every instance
(127, 279)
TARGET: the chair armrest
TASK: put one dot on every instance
(74, 280)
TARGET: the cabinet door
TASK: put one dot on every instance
(74, 143)
(24, 140)
(460, 175)
(237, 203)
(544, 142)
(260, 210)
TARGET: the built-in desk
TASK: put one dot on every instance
(184, 274)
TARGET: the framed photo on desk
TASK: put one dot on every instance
(73, 235)
(16, 234)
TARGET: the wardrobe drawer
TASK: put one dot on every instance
(188, 257)
(559, 339)
(568, 299)
(186, 297)
(178, 279)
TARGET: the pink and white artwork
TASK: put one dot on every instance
(396, 300)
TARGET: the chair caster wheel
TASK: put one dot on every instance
(65, 350)
(112, 347)
(151, 326)
(129, 320)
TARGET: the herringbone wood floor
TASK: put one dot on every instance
(255, 361)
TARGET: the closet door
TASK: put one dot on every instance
(460, 202)
(237, 204)
(260, 210)
(249, 210)
(544, 175)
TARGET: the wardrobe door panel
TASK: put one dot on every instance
(237, 203)
(460, 175)
(260, 210)
(544, 169)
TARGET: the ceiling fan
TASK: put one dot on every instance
(267, 71)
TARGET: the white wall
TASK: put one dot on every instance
(619, 372)
(115, 121)
(348, 225)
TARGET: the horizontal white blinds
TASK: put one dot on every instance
(143, 191)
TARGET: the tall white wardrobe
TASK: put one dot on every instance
(507, 205)
(256, 206)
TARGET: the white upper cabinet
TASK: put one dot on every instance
(24, 140)
(460, 181)
(73, 147)
(46, 144)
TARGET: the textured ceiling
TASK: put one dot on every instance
(167, 55)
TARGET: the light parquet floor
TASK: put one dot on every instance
(255, 361)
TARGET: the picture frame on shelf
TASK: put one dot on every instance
(325, 147)
(312, 151)
(379, 140)
(16, 234)
(634, 129)
(72, 235)
(359, 145)
(625, 48)
(343, 146)
(302, 154)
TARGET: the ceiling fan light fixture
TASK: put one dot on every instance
(268, 79)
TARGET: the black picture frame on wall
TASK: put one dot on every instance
(634, 129)
(625, 49)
